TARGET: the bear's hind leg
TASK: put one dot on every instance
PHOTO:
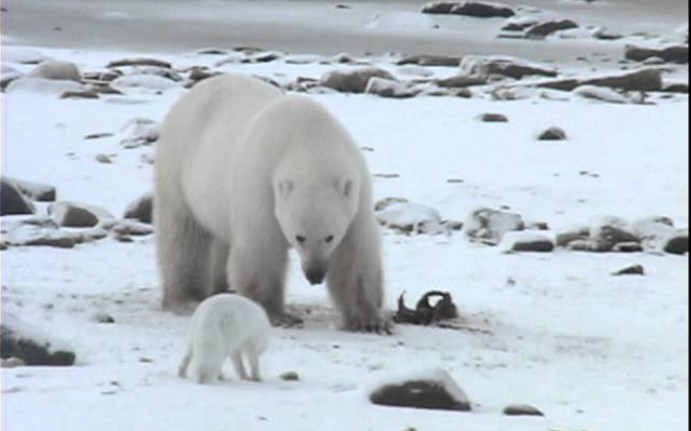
(218, 281)
(183, 253)
(239, 366)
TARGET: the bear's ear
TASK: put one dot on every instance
(284, 188)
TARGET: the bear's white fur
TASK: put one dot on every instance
(225, 325)
(245, 172)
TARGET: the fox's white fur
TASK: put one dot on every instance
(225, 325)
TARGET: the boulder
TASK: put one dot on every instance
(673, 54)
(520, 241)
(544, 29)
(677, 242)
(12, 199)
(433, 389)
(489, 225)
(73, 214)
(387, 88)
(353, 80)
(55, 69)
(479, 65)
(32, 345)
(141, 209)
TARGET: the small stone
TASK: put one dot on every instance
(635, 269)
(552, 134)
(85, 94)
(522, 410)
(491, 117)
(102, 317)
(98, 135)
(290, 376)
(628, 247)
(103, 158)
(678, 242)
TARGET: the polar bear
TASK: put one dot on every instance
(225, 325)
(243, 173)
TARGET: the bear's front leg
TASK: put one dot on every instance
(259, 273)
(356, 283)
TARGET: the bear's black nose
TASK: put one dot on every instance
(315, 275)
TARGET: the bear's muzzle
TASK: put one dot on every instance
(315, 274)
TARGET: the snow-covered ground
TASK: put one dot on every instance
(555, 330)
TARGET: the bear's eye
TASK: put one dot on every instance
(329, 238)
(300, 239)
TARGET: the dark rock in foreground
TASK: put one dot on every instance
(673, 54)
(20, 340)
(141, 209)
(433, 390)
(678, 242)
(12, 201)
(552, 134)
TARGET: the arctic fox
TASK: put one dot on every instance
(225, 325)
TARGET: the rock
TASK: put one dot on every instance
(12, 199)
(161, 72)
(630, 270)
(383, 204)
(141, 209)
(261, 57)
(49, 87)
(150, 83)
(142, 61)
(544, 29)
(139, 132)
(522, 410)
(434, 389)
(82, 94)
(602, 94)
(11, 362)
(103, 158)
(37, 231)
(68, 214)
(35, 191)
(355, 80)
(453, 224)
(564, 238)
(469, 8)
(290, 376)
(611, 231)
(552, 134)
(131, 227)
(430, 60)
(639, 80)
(628, 247)
(411, 217)
(673, 54)
(588, 245)
(102, 317)
(526, 241)
(492, 117)
(675, 87)
(98, 135)
(678, 242)
(32, 345)
(478, 65)
(387, 88)
(106, 75)
(461, 81)
(55, 69)
(7, 75)
(489, 225)
(199, 73)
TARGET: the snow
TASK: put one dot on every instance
(43, 86)
(554, 330)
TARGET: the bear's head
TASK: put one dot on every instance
(314, 219)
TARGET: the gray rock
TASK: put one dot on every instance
(384, 203)
(492, 117)
(522, 410)
(162, 72)
(55, 69)
(628, 247)
(141, 61)
(139, 132)
(12, 200)
(564, 238)
(635, 269)
(103, 158)
(673, 54)
(675, 87)
(141, 209)
(552, 134)
(530, 241)
(131, 227)
(461, 81)
(588, 245)
(290, 376)
(489, 225)
(478, 65)
(102, 317)
(69, 214)
(19, 339)
(612, 231)
(437, 391)
(678, 242)
(544, 29)
(387, 88)
(430, 60)
(648, 79)
(353, 80)
(469, 8)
